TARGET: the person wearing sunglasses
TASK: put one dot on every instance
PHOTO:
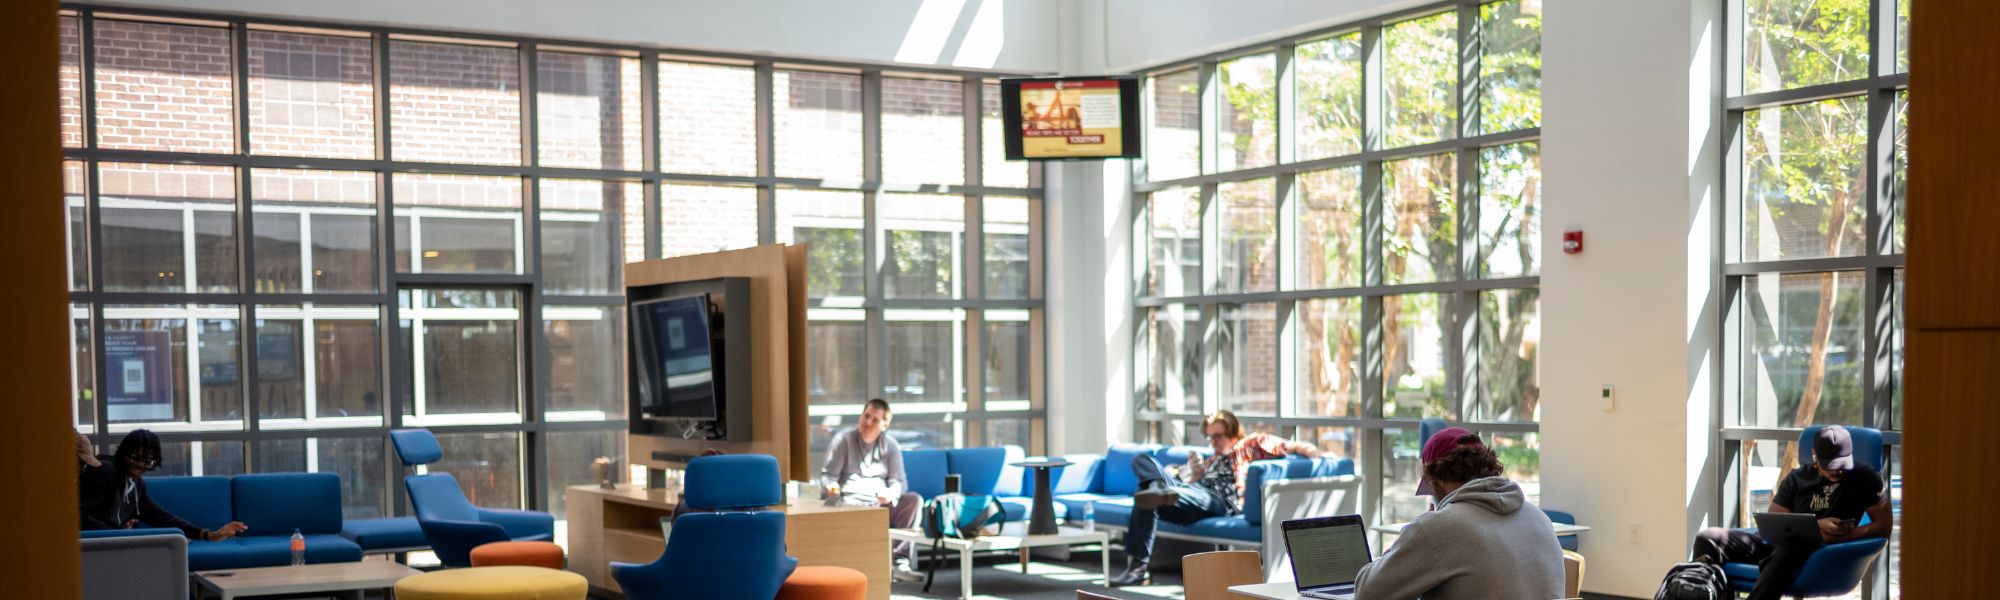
(113, 492)
(1210, 486)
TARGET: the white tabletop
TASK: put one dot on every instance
(1064, 536)
(326, 577)
(1562, 529)
(1275, 590)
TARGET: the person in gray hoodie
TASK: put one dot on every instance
(1483, 540)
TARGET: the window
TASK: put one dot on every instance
(455, 103)
(1816, 178)
(286, 240)
(1367, 263)
(312, 94)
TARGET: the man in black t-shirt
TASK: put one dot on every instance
(1834, 488)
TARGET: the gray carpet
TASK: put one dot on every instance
(1000, 577)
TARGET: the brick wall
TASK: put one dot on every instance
(996, 169)
(455, 103)
(923, 131)
(588, 108)
(708, 118)
(695, 219)
(311, 95)
(69, 39)
(167, 182)
(463, 191)
(1173, 131)
(317, 187)
(818, 125)
(163, 87)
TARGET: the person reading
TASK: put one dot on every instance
(864, 466)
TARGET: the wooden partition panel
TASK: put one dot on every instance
(1953, 303)
(777, 313)
(41, 557)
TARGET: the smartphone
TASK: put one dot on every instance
(1850, 523)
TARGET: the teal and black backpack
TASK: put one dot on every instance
(958, 516)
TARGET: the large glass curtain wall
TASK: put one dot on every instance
(287, 239)
(1338, 236)
(1813, 237)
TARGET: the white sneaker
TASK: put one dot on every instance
(903, 572)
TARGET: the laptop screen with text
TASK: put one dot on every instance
(1327, 555)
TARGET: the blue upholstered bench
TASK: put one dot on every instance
(271, 505)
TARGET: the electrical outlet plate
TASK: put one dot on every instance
(1607, 395)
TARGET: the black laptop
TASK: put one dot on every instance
(1789, 528)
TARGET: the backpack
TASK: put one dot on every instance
(958, 516)
(1694, 581)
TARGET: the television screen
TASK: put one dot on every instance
(677, 362)
(1071, 118)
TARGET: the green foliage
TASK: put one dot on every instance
(1510, 67)
(1420, 76)
(833, 261)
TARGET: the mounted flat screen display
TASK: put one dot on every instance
(1070, 118)
(677, 358)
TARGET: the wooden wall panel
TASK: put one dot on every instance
(772, 309)
(1953, 302)
(41, 557)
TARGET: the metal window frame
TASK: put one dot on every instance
(1460, 290)
(534, 428)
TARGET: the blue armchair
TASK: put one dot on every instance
(450, 522)
(1835, 569)
(727, 537)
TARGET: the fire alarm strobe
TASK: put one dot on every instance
(1572, 242)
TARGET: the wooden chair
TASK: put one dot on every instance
(1208, 575)
(1572, 574)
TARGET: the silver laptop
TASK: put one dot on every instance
(1327, 555)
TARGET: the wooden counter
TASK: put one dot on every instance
(623, 525)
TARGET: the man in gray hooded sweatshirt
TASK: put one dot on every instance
(1484, 541)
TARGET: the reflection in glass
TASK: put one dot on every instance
(1803, 348)
(1900, 186)
(570, 456)
(921, 237)
(1014, 432)
(162, 86)
(923, 130)
(1007, 357)
(360, 462)
(1246, 355)
(925, 357)
(312, 94)
(315, 231)
(1402, 466)
(836, 357)
(1804, 186)
(829, 224)
(1414, 344)
(454, 103)
(1329, 226)
(1419, 220)
(1174, 243)
(147, 357)
(76, 229)
(1248, 250)
(465, 351)
(587, 111)
(1173, 352)
(698, 219)
(1006, 249)
(82, 369)
(708, 118)
(1797, 43)
(1510, 339)
(1173, 126)
(317, 363)
(1247, 123)
(1510, 211)
(1329, 96)
(1329, 358)
(578, 240)
(1420, 76)
(457, 223)
(586, 359)
(1510, 66)
(817, 119)
(486, 465)
(168, 227)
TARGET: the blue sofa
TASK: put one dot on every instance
(272, 505)
(1276, 490)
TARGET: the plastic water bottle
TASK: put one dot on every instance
(1090, 516)
(298, 549)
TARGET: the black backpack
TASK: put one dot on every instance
(1695, 581)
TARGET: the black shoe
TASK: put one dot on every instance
(1135, 574)
(1155, 497)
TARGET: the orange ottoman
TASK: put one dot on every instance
(824, 583)
(519, 554)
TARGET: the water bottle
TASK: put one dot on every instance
(1089, 516)
(298, 548)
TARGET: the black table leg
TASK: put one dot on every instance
(1042, 519)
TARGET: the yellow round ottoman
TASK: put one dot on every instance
(494, 583)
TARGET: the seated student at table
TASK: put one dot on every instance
(1482, 540)
(865, 466)
(1834, 488)
(1212, 486)
(113, 493)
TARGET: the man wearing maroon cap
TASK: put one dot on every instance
(1835, 488)
(1483, 539)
